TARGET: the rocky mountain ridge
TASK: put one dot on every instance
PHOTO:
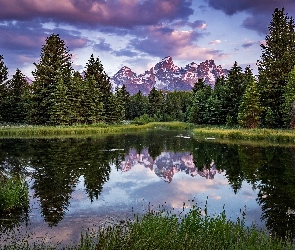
(167, 76)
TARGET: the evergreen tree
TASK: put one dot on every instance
(3, 70)
(250, 108)
(200, 84)
(277, 60)
(3, 78)
(95, 73)
(138, 106)
(235, 86)
(53, 69)
(198, 113)
(288, 107)
(155, 104)
(123, 97)
(15, 101)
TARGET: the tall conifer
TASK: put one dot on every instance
(53, 69)
(277, 60)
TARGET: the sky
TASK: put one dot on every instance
(137, 33)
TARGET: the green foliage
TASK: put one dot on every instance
(123, 102)
(16, 100)
(277, 60)
(236, 85)
(143, 119)
(14, 194)
(101, 85)
(138, 105)
(52, 74)
(165, 230)
(250, 108)
(3, 71)
(198, 114)
(288, 107)
(200, 84)
(155, 104)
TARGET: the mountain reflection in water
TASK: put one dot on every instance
(167, 164)
(75, 183)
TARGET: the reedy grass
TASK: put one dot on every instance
(14, 194)
(271, 135)
(164, 230)
(94, 129)
(193, 231)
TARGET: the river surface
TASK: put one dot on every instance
(77, 184)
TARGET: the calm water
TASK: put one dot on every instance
(77, 184)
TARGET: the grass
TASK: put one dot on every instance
(271, 135)
(164, 230)
(95, 129)
(14, 194)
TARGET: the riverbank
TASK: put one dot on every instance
(270, 135)
(206, 132)
(165, 230)
(29, 131)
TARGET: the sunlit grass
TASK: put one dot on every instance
(272, 135)
(40, 131)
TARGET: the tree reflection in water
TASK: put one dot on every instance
(59, 164)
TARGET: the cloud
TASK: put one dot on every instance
(214, 42)
(248, 44)
(102, 45)
(260, 11)
(180, 44)
(117, 13)
(125, 52)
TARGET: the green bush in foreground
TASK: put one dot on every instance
(14, 194)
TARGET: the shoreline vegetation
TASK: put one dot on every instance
(166, 230)
(205, 132)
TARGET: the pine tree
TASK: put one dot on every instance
(138, 106)
(250, 108)
(15, 101)
(288, 106)
(3, 78)
(53, 69)
(155, 104)
(123, 99)
(200, 84)
(198, 113)
(95, 73)
(236, 86)
(277, 60)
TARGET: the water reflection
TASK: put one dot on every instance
(58, 168)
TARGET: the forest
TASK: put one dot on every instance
(58, 95)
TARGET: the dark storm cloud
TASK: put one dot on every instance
(260, 11)
(90, 13)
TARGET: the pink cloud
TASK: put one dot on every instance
(121, 13)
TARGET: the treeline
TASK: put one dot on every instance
(59, 95)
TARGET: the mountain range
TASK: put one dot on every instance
(167, 76)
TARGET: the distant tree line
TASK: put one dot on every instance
(59, 95)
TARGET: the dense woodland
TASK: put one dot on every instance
(59, 95)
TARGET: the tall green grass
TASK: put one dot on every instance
(272, 135)
(94, 129)
(165, 230)
(193, 231)
(14, 194)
